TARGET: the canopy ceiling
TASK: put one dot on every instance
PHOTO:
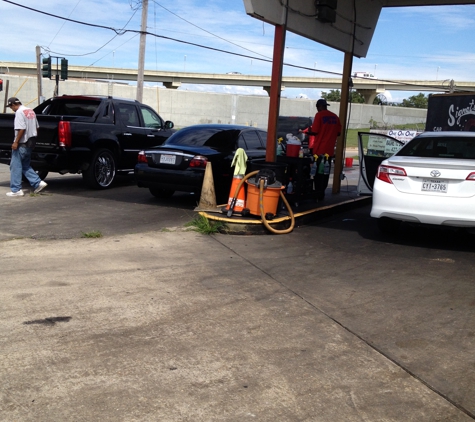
(358, 16)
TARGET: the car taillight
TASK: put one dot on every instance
(141, 158)
(198, 161)
(385, 171)
(64, 134)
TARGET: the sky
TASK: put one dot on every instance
(417, 43)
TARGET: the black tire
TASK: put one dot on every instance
(102, 169)
(388, 225)
(41, 174)
(161, 193)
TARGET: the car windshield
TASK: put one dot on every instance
(438, 147)
(217, 138)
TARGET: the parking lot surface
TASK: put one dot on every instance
(150, 322)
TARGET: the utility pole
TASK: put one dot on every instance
(38, 74)
(143, 37)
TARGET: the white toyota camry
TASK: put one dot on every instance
(430, 180)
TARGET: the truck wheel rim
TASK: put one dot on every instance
(105, 170)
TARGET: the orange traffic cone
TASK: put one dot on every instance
(208, 195)
(236, 204)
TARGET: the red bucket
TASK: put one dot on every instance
(348, 162)
(293, 150)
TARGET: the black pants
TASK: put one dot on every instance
(321, 179)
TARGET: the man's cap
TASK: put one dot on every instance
(13, 100)
(322, 103)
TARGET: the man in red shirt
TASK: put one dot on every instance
(326, 128)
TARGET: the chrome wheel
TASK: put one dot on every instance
(102, 170)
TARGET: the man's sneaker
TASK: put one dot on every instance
(40, 187)
(19, 193)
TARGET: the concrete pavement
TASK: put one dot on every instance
(184, 327)
(328, 323)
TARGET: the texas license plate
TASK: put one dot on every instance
(434, 185)
(167, 159)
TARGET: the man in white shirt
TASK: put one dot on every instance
(26, 127)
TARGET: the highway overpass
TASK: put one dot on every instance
(369, 88)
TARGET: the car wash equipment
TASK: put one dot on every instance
(270, 196)
(320, 164)
(293, 145)
(237, 194)
(280, 149)
(261, 205)
(237, 197)
(290, 187)
(313, 168)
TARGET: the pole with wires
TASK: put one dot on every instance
(143, 37)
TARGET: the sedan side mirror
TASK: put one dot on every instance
(169, 124)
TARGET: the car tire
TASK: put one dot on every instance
(388, 226)
(161, 193)
(102, 169)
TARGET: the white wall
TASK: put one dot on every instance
(186, 108)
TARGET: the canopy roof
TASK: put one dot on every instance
(358, 17)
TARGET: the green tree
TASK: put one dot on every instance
(416, 101)
(335, 95)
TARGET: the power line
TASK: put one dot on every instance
(118, 32)
(100, 48)
(124, 31)
(208, 32)
(64, 23)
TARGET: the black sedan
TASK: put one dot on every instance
(179, 164)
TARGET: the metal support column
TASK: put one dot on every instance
(275, 89)
(341, 142)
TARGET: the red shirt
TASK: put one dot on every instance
(327, 127)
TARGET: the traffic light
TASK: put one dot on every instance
(326, 10)
(64, 69)
(1, 84)
(46, 68)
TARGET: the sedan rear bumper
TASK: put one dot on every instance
(425, 209)
(177, 180)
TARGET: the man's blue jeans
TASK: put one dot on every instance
(20, 164)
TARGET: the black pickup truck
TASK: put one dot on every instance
(96, 136)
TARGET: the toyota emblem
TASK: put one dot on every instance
(435, 173)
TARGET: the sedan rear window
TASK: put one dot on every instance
(211, 137)
(437, 147)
